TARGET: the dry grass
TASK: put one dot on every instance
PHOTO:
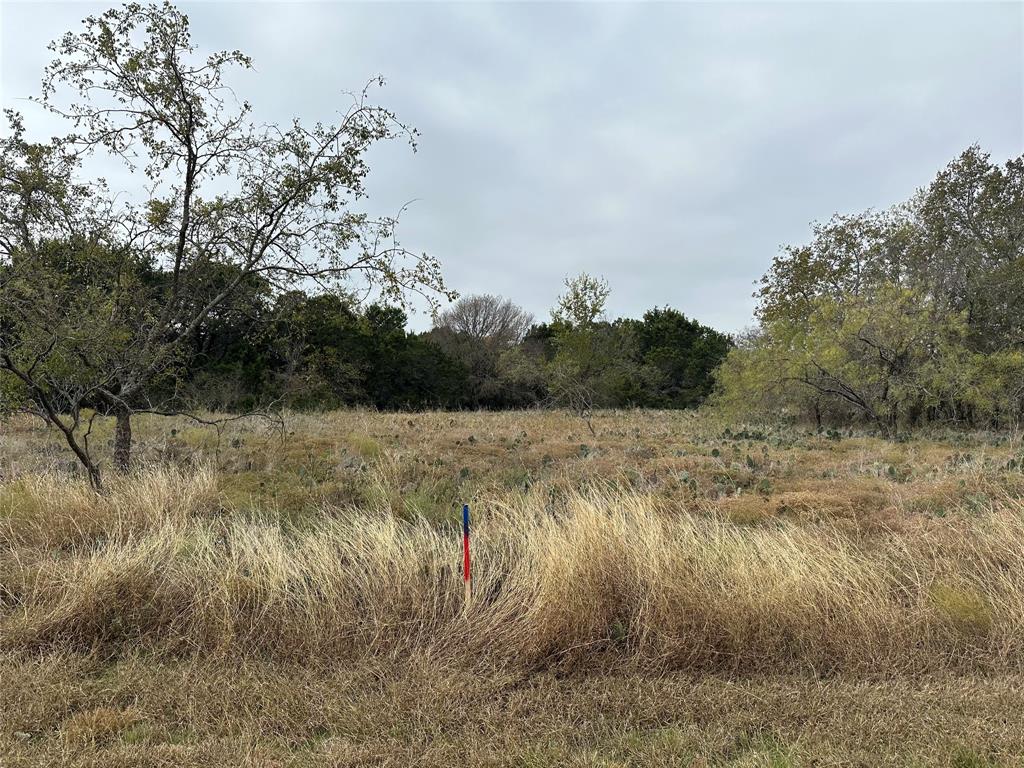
(201, 713)
(776, 568)
(595, 576)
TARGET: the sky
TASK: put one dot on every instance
(671, 148)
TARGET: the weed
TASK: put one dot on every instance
(962, 607)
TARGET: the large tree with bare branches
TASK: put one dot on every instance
(482, 332)
(99, 294)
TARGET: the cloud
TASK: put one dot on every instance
(670, 147)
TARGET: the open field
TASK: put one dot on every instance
(669, 591)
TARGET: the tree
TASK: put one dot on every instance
(228, 356)
(584, 348)
(479, 331)
(492, 320)
(69, 311)
(898, 317)
(320, 349)
(260, 201)
(970, 252)
(848, 255)
(583, 302)
(682, 355)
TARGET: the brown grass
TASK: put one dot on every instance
(603, 573)
(774, 566)
(201, 713)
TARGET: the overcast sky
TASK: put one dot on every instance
(671, 148)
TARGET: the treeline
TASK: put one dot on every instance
(304, 350)
(896, 318)
(268, 349)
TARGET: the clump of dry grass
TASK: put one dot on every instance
(54, 511)
(94, 727)
(600, 575)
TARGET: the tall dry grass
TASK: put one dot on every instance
(602, 575)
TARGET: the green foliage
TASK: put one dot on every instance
(583, 302)
(324, 350)
(664, 360)
(963, 607)
(106, 302)
(896, 318)
(965, 757)
(684, 355)
(72, 308)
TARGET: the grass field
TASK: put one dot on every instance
(669, 591)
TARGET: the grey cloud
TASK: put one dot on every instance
(670, 147)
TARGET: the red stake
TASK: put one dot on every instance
(466, 578)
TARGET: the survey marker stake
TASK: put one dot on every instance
(466, 577)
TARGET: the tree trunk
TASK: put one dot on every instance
(123, 440)
(95, 479)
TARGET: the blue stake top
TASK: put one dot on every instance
(465, 519)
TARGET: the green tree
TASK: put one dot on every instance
(271, 201)
(583, 302)
(683, 355)
(970, 252)
(900, 317)
(320, 350)
(589, 361)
